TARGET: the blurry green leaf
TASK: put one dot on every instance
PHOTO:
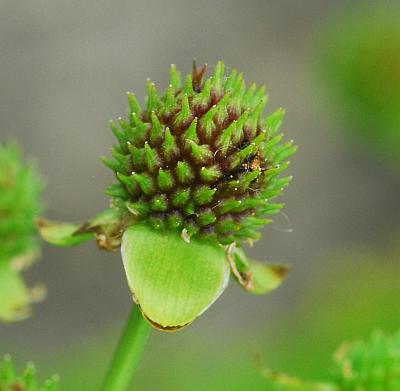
(15, 297)
(172, 280)
(254, 276)
(292, 383)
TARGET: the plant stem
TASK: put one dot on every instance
(127, 355)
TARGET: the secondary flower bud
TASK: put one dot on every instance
(372, 365)
(20, 187)
(10, 380)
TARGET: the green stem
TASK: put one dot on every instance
(128, 352)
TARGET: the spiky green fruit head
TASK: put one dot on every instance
(20, 187)
(196, 169)
(201, 158)
(11, 381)
(372, 365)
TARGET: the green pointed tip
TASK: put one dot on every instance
(231, 80)
(273, 122)
(145, 182)
(174, 77)
(248, 96)
(283, 152)
(139, 130)
(134, 104)
(191, 133)
(218, 78)
(129, 183)
(169, 146)
(169, 102)
(184, 172)
(180, 197)
(174, 220)
(151, 157)
(224, 141)
(138, 209)
(115, 190)
(202, 99)
(119, 134)
(220, 110)
(206, 217)
(200, 153)
(204, 195)
(136, 154)
(188, 87)
(152, 100)
(159, 203)
(210, 173)
(157, 131)
(185, 114)
(165, 180)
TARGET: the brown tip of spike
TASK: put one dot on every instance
(198, 76)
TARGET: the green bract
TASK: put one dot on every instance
(10, 381)
(196, 169)
(20, 187)
(183, 279)
(373, 365)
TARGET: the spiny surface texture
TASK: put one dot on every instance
(369, 366)
(201, 158)
(20, 187)
(10, 381)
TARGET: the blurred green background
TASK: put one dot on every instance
(64, 70)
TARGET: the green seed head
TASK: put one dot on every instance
(20, 187)
(373, 365)
(9, 380)
(200, 157)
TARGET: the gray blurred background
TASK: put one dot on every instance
(64, 70)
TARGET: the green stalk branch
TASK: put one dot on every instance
(128, 352)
